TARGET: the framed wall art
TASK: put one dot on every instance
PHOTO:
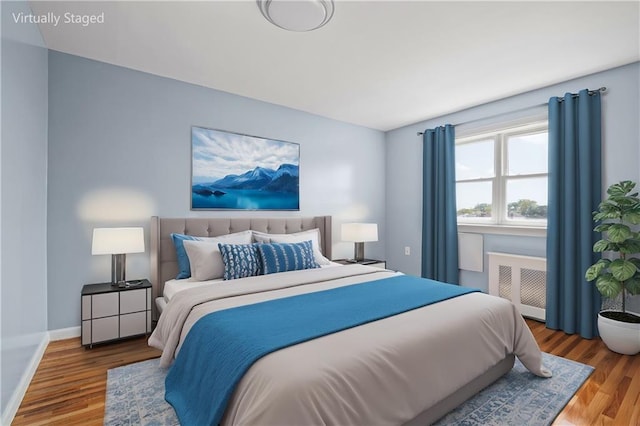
(241, 172)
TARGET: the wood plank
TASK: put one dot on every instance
(606, 398)
(69, 386)
(628, 412)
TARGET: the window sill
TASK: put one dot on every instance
(527, 231)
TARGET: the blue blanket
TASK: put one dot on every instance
(223, 345)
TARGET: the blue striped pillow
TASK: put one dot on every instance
(240, 260)
(282, 257)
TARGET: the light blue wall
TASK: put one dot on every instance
(120, 151)
(621, 139)
(23, 277)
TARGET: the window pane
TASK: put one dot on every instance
(527, 199)
(475, 160)
(473, 199)
(527, 154)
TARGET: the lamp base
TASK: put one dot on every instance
(358, 252)
(118, 269)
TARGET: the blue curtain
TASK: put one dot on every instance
(574, 193)
(439, 222)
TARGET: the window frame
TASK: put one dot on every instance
(499, 220)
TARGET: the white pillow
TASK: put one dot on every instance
(312, 235)
(205, 259)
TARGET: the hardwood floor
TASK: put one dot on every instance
(69, 385)
(611, 395)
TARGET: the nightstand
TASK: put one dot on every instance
(369, 262)
(110, 313)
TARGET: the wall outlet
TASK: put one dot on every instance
(407, 251)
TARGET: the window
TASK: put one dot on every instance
(501, 177)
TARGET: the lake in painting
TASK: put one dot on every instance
(248, 199)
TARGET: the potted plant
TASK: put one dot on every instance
(620, 272)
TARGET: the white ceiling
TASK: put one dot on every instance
(379, 64)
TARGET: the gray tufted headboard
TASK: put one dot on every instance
(164, 265)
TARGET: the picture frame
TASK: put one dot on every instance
(234, 171)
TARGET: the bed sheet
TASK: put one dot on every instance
(174, 286)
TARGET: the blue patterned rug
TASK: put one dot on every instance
(135, 396)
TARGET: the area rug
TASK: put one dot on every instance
(135, 396)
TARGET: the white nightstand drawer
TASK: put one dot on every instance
(132, 324)
(103, 329)
(133, 301)
(104, 305)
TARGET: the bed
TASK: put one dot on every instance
(410, 368)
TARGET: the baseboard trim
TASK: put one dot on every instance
(64, 333)
(18, 394)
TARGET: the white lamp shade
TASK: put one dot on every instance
(117, 240)
(359, 232)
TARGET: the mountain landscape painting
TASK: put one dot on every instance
(241, 172)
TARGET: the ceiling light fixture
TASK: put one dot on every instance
(297, 15)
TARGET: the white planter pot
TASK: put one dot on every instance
(621, 337)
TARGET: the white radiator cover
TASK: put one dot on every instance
(520, 279)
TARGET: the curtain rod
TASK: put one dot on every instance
(591, 92)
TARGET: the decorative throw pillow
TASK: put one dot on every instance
(184, 269)
(240, 260)
(282, 257)
(312, 235)
(205, 260)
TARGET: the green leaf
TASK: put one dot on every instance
(602, 227)
(616, 189)
(628, 200)
(608, 286)
(619, 232)
(607, 215)
(608, 206)
(600, 246)
(635, 261)
(633, 285)
(626, 203)
(630, 246)
(621, 188)
(595, 269)
(622, 269)
(632, 217)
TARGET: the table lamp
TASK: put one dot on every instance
(117, 242)
(359, 233)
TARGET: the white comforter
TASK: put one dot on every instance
(384, 372)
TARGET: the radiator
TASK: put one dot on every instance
(520, 279)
